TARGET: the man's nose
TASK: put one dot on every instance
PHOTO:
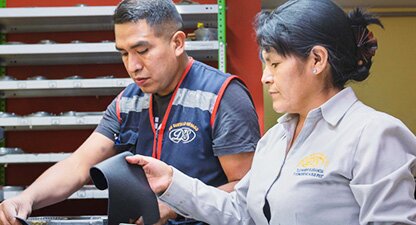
(134, 64)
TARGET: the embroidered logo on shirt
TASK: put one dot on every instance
(312, 165)
(184, 132)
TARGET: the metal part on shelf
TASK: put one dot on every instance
(10, 151)
(103, 86)
(38, 77)
(7, 78)
(86, 192)
(87, 18)
(50, 122)
(47, 42)
(74, 77)
(7, 114)
(77, 42)
(85, 53)
(14, 43)
(33, 158)
(9, 191)
(68, 220)
(40, 114)
(105, 77)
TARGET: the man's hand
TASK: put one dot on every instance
(166, 213)
(158, 173)
(13, 207)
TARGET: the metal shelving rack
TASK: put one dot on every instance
(87, 192)
(87, 18)
(90, 18)
(51, 122)
(62, 87)
(15, 20)
(84, 53)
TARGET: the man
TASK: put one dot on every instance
(179, 110)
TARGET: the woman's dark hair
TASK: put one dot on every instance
(161, 15)
(297, 26)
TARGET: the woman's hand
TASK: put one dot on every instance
(158, 173)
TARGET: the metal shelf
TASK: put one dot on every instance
(88, 18)
(79, 87)
(50, 122)
(87, 192)
(85, 53)
(33, 158)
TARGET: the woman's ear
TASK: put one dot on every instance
(319, 59)
(178, 41)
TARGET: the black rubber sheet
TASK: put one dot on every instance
(129, 193)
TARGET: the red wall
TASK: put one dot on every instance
(242, 60)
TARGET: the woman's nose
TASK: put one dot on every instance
(267, 77)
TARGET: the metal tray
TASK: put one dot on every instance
(68, 220)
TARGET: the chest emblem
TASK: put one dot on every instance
(183, 132)
(313, 165)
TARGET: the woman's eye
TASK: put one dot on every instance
(274, 65)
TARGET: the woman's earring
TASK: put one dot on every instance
(314, 71)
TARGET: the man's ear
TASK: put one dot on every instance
(178, 42)
(319, 59)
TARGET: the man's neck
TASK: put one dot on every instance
(183, 61)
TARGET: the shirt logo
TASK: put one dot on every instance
(313, 165)
(184, 132)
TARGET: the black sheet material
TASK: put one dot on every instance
(129, 193)
(22, 221)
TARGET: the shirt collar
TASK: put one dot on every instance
(332, 110)
(336, 107)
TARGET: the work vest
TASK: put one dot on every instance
(184, 138)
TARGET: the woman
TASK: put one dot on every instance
(330, 159)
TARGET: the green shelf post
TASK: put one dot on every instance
(222, 38)
(2, 103)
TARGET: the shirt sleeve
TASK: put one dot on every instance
(109, 124)
(236, 128)
(384, 167)
(192, 198)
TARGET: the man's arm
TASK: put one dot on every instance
(236, 133)
(60, 181)
(235, 168)
(64, 178)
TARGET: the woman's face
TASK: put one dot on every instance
(289, 81)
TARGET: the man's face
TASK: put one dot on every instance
(150, 60)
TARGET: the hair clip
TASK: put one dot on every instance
(366, 44)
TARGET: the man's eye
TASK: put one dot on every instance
(123, 54)
(142, 52)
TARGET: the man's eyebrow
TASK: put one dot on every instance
(138, 44)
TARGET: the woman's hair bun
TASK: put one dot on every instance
(365, 41)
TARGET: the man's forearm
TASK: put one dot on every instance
(56, 184)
